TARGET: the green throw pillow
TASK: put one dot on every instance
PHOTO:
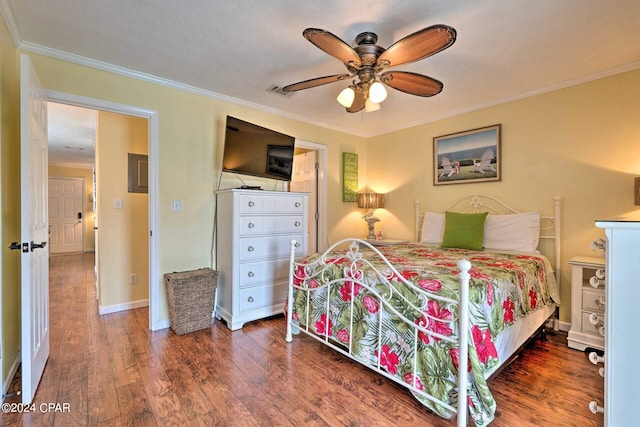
(464, 231)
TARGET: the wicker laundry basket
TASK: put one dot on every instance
(191, 299)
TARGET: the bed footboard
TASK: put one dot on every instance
(379, 292)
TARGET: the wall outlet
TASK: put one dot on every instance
(133, 279)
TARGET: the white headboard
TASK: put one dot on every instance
(475, 203)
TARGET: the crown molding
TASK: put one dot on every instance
(9, 19)
(150, 78)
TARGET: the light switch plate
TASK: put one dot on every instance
(177, 205)
(117, 203)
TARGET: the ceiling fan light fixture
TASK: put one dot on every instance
(370, 106)
(346, 97)
(377, 92)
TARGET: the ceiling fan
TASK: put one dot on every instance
(367, 62)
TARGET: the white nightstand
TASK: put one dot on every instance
(587, 303)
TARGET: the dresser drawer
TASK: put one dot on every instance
(592, 300)
(587, 326)
(253, 248)
(256, 203)
(264, 271)
(263, 296)
(254, 225)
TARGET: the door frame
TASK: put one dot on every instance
(153, 207)
(322, 179)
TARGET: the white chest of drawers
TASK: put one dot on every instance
(587, 303)
(621, 344)
(254, 229)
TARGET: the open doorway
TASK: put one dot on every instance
(150, 276)
(84, 143)
(310, 176)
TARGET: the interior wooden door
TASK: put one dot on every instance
(66, 222)
(34, 229)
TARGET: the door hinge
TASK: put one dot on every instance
(317, 166)
(317, 215)
(150, 233)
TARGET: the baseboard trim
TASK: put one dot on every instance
(565, 326)
(12, 372)
(123, 307)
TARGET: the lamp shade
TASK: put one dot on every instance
(370, 200)
(377, 92)
(346, 97)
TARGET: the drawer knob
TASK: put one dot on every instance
(297, 204)
(595, 281)
(297, 244)
(600, 273)
(600, 301)
(595, 358)
(251, 249)
(251, 225)
(297, 223)
(250, 299)
(594, 320)
(251, 204)
(595, 408)
(601, 371)
(250, 274)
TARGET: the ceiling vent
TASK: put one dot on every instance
(278, 90)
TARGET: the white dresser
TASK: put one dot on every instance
(587, 303)
(622, 310)
(254, 229)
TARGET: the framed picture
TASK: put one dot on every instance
(349, 177)
(279, 161)
(467, 157)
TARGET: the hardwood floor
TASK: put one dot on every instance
(113, 371)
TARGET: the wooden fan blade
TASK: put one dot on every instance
(318, 81)
(358, 101)
(412, 83)
(332, 45)
(417, 46)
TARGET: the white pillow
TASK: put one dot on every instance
(516, 232)
(432, 228)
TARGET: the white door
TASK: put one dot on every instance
(66, 223)
(304, 179)
(33, 213)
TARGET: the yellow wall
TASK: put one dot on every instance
(9, 200)
(581, 143)
(87, 175)
(123, 234)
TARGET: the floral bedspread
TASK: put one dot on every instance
(503, 288)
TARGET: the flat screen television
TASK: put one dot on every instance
(253, 150)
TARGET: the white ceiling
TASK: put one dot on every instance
(72, 135)
(235, 50)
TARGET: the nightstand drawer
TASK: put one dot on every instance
(263, 271)
(589, 327)
(592, 300)
(263, 296)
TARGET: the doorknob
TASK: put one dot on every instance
(37, 245)
(17, 246)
